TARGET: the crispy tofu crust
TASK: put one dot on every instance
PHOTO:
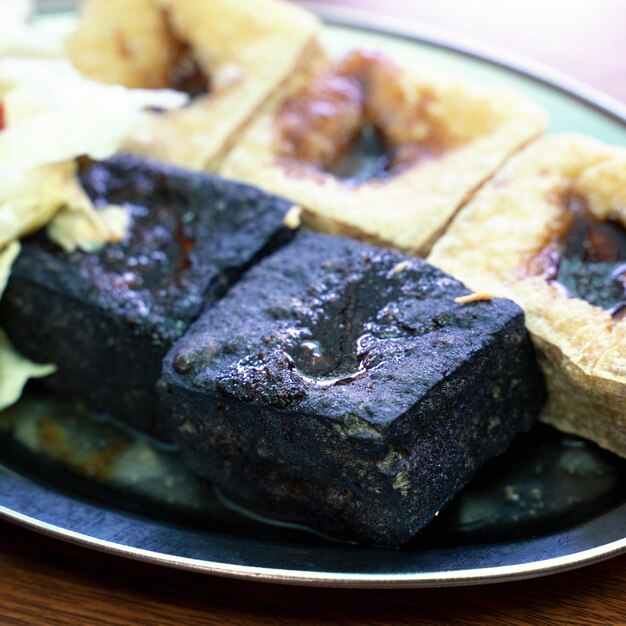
(122, 41)
(479, 127)
(247, 50)
(581, 347)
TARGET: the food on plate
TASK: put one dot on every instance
(322, 381)
(230, 55)
(382, 151)
(16, 371)
(550, 232)
(107, 318)
(49, 115)
(341, 385)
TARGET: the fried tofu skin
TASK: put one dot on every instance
(382, 151)
(229, 55)
(549, 232)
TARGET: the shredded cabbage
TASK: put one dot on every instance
(15, 370)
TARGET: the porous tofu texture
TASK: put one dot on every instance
(106, 319)
(341, 385)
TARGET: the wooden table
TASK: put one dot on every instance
(43, 581)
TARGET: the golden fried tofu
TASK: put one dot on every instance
(382, 151)
(229, 55)
(549, 231)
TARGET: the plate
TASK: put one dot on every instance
(551, 503)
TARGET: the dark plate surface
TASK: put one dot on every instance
(551, 501)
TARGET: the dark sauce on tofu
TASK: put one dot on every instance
(352, 122)
(592, 259)
(184, 72)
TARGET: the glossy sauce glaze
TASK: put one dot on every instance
(161, 249)
(341, 327)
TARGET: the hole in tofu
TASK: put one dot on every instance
(367, 158)
(587, 256)
(358, 123)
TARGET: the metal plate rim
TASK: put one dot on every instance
(468, 46)
(502, 573)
